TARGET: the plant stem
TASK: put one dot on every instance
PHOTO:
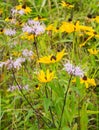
(64, 103)
(36, 112)
(50, 107)
(35, 43)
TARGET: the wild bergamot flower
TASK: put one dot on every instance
(52, 58)
(73, 70)
(45, 77)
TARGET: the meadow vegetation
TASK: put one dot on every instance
(49, 65)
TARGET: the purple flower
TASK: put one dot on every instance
(14, 64)
(34, 27)
(13, 88)
(9, 32)
(73, 70)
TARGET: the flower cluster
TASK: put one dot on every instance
(9, 32)
(73, 70)
(27, 54)
(13, 88)
(33, 27)
(21, 10)
(13, 64)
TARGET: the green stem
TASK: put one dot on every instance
(36, 112)
(50, 107)
(64, 103)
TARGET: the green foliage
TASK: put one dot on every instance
(63, 103)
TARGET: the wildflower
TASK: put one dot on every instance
(45, 77)
(96, 19)
(34, 27)
(67, 27)
(87, 81)
(2, 64)
(51, 58)
(39, 18)
(93, 51)
(37, 86)
(9, 32)
(73, 70)
(79, 27)
(14, 64)
(17, 63)
(28, 36)
(1, 31)
(23, 8)
(66, 4)
(51, 28)
(27, 54)
(13, 88)
(11, 20)
(1, 12)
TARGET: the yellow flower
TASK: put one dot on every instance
(79, 27)
(87, 81)
(45, 77)
(18, 7)
(15, 53)
(65, 4)
(67, 27)
(40, 18)
(24, 8)
(27, 10)
(96, 19)
(27, 36)
(1, 11)
(83, 44)
(51, 58)
(1, 31)
(51, 28)
(93, 51)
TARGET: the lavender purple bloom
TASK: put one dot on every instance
(73, 70)
(34, 27)
(9, 32)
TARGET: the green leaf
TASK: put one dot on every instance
(92, 112)
(83, 118)
(47, 103)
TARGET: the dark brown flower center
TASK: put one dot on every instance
(85, 77)
(53, 58)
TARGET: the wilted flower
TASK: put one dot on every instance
(73, 70)
(9, 32)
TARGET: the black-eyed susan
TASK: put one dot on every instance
(45, 77)
(52, 58)
(39, 18)
(67, 27)
(1, 31)
(87, 81)
(96, 19)
(23, 9)
(79, 27)
(66, 4)
(93, 51)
